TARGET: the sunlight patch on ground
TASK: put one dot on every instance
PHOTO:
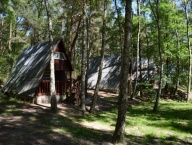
(134, 130)
(11, 119)
(42, 105)
(184, 123)
(142, 131)
(98, 126)
(11, 106)
(61, 131)
(155, 132)
(31, 110)
(32, 119)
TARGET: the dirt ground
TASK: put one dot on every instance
(35, 124)
(32, 124)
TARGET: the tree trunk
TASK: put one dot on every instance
(62, 26)
(155, 108)
(88, 20)
(120, 26)
(10, 36)
(166, 89)
(178, 63)
(189, 97)
(140, 71)
(83, 59)
(138, 48)
(1, 36)
(148, 57)
(52, 69)
(70, 37)
(95, 96)
(73, 43)
(118, 135)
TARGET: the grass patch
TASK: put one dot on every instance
(12, 111)
(173, 120)
(104, 117)
(77, 131)
(171, 125)
(9, 105)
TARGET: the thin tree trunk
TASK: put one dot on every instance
(138, 48)
(1, 37)
(62, 26)
(70, 37)
(155, 108)
(88, 53)
(83, 59)
(73, 43)
(95, 96)
(9, 43)
(120, 26)
(178, 63)
(118, 135)
(166, 89)
(148, 57)
(52, 69)
(189, 97)
(10, 36)
(140, 71)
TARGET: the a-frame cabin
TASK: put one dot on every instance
(30, 77)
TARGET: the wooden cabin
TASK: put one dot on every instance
(30, 77)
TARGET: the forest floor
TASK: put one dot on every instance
(30, 124)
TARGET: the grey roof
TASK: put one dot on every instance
(111, 71)
(29, 69)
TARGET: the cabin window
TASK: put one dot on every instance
(59, 55)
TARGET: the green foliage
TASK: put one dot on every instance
(4, 70)
(147, 90)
